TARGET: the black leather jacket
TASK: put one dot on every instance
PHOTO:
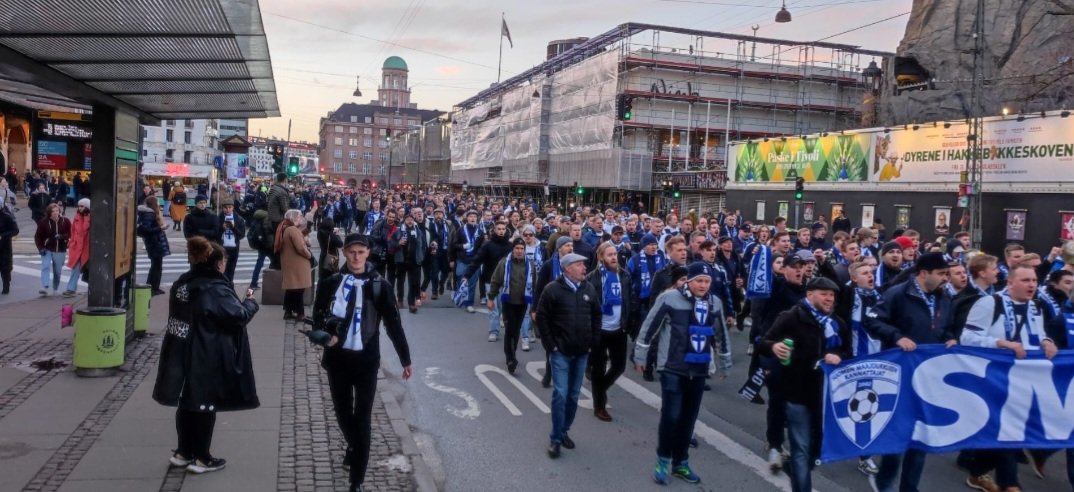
(378, 304)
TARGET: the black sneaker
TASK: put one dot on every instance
(511, 366)
(356, 488)
(567, 442)
(347, 459)
(178, 460)
(553, 450)
(546, 380)
(647, 374)
(198, 466)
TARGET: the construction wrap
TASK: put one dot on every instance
(505, 129)
(583, 106)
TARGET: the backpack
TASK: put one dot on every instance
(179, 198)
(255, 234)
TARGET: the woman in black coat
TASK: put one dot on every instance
(151, 228)
(205, 362)
(329, 242)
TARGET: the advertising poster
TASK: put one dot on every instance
(1016, 225)
(867, 213)
(1032, 150)
(807, 211)
(837, 208)
(760, 210)
(902, 216)
(1066, 220)
(126, 177)
(781, 209)
(816, 159)
(51, 155)
(942, 221)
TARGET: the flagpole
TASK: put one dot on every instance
(499, 66)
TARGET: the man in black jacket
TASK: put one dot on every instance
(233, 231)
(350, 306)
(201, 221)
(817, 335)
(464, 246)
(613, 287)
(494, 250)
(569, 318)
(279, 202)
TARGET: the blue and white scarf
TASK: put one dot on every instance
(1010, 324)
(863, 343)
(832, 339)
(371, 219)
(1048, 300)
(555, 267)
(880, 270)
(646, 274)
(838, 256)
(700, 331)
(612, 294)
(471, 239)
(759, 281)
(505, 291)
(350, 286)
(929, 299)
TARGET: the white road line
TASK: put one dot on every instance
(714, 438)
(480, 371)
(586, 401)
(472, 410)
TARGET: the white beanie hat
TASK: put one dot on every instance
(85, 202)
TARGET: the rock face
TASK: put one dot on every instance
(1028, 60)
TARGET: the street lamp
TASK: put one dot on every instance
(388, 137)
(783, 16)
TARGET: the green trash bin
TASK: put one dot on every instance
(142, 299)
(99, 340)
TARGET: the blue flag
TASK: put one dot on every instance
(937, 400)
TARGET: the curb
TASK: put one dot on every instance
(423, 475)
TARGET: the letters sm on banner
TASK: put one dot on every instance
(938, 400)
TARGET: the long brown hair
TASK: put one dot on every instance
(204, 253)
(152, 203)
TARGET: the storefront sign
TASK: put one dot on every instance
(702, 180)
(828, 159)
(1033, 150)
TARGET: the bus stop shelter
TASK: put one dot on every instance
(132, 62)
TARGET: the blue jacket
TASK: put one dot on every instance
(902, 312)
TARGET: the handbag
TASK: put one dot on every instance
(331, 262)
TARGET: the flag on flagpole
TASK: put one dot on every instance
(506, 32)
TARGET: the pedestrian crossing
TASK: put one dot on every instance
(173, 266)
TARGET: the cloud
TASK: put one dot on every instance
(436, 45)
(449, 70)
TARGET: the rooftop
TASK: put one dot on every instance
(395, 63)
(361, 111)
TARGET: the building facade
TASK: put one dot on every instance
(229, 127)
(355, 139)
(627, 110)
(183, 141)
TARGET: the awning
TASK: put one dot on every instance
(160, 59)
(177, 170)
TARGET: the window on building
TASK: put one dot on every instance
(188, 124)
(367, 168)
(414, 122)
(169, 135)
(145, 153)
(354, 118)
(367, 131)
(398, 121)
(368, 156)
(384, 157)
(187, 156)
(383, 144)
(383, 132)
(354, 129)
(367, 142)
(353, 142)
(352, 167)
(337, 153)
(353, 154)
(145, 133)
(186, 137)
(339, 128)
(169, 155)
(337, 166)
(338, 140)
(368, 119)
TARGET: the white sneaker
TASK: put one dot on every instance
(775, 460)
(493, 337)
(470, 309)
(43, 292)
(533, 337)
(525, 345)
(868, 467)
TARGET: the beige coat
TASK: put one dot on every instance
(295, 260)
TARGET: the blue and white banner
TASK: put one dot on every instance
(937, 399)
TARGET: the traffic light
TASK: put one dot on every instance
(799, 188)
(676, 192)
(292, 166)
(578, 189)
(276, 151)
(624, 107)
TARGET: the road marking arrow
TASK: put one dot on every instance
(480, 371)
(472, 410)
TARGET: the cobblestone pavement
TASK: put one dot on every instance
(311, 444)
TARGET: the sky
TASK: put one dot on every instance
(318, 47)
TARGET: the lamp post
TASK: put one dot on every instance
(390, 152)
(783, 16)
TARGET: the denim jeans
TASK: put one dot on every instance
(526, 320)
(494, 314)
(76, 272)
(680, 401)
(567, 374)
(257, 268)
(800, 432)
(471, 284)
(912, 463)
(52, 267)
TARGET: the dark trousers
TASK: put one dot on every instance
(395, 271)
(156, 267)
(292, 301)
(609, 362)
(980, 461)
(680, 402)
(429, 273)
(777, 407)
(408, 273)
(195, 431)
(274, 257)
(513, 315)
(232, 262)
(353, 387)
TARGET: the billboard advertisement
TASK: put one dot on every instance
(63, 141)
(834, 158)
(1033, 150)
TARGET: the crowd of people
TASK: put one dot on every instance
(603, 286)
